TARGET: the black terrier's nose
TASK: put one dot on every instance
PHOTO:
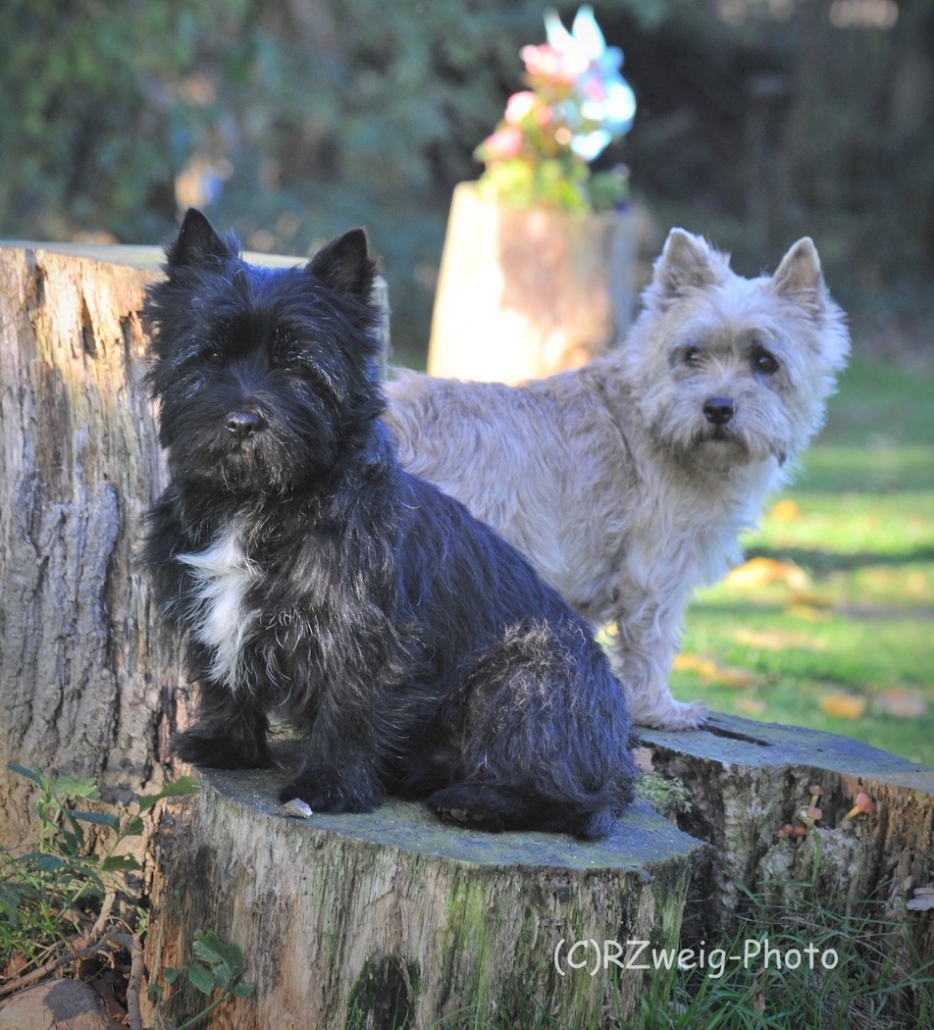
(243, 423)
(718, 410)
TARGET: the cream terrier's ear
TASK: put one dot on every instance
(686, 262)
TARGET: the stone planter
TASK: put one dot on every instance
(526, 293)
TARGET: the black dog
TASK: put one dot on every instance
(415, 650)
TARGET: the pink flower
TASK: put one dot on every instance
(575, 103)
(504, 144)
(546, 63)
(519, 105)
(543, 114)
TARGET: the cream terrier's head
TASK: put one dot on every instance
(729, 371)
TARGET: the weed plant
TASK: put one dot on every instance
(74, 898)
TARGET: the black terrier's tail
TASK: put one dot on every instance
(491, 807)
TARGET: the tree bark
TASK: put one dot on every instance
(393, 919)
(86, 675)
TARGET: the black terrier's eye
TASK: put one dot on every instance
(212, 353)
(764, 361)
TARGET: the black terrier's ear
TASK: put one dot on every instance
(198, 243)
(345, 264)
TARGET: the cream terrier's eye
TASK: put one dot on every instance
(764, 361)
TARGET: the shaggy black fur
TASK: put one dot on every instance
(415, 650)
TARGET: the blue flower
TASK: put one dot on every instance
(608, 104)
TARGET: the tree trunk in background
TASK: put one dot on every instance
(87, 677)
(527, 293)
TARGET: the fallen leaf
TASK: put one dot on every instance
(810, 599)
(698, 664)
(758, 990)
(776, 640)
(762, 572)
(807, 613)
(785, 510)
(751, 705)
(710, 672)
(731, 676)
(842, 706)
(915, 583)
(904, 704)
(15, 966)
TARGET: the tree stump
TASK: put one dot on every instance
(393, 919)
(85, 675)
(524, 294)
(747, 781)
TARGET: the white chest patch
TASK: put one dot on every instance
(221, 620)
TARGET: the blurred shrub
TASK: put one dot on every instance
(291, 120)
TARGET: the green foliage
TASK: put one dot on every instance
(48, 896)
(289, 122)
(524, 184)
(220, 968)
(292, 122)
(76, 153)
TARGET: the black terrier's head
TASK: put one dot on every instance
(266, 378)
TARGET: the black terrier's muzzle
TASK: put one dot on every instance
(243, 423)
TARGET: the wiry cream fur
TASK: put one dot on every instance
(611, 479)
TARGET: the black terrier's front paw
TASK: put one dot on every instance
(327, 790)
(215, 752)
(454, 805)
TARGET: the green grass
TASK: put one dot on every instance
(849, 645)
(799, 967)
(873, 975)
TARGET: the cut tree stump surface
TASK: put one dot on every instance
(393, 918)
(730, 740)
(643, 842)
(146, 258)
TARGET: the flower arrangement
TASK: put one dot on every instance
(576, 103)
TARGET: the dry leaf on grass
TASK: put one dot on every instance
(915, 583)
(807, 612)
(762, 572)
(843, 706)
(785, 510)
(777, 640)
(710, 672)
(904, 704)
